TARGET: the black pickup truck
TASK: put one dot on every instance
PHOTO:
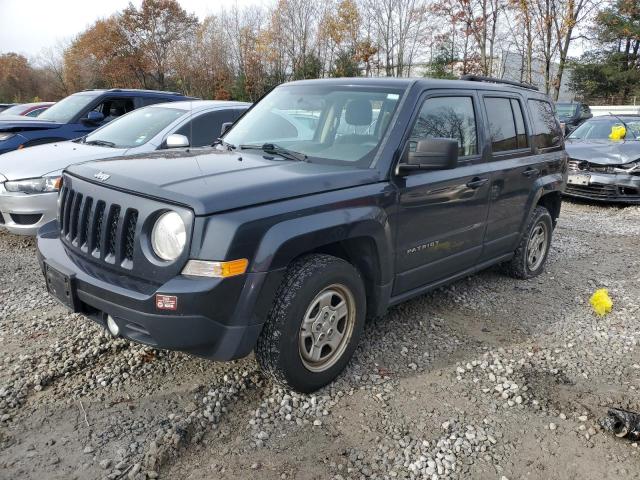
(326, 203)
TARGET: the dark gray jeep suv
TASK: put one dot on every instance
(326, 203)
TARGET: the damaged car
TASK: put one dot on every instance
(604, 159)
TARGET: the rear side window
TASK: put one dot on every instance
(502, 126)
(447, 117)
(546, 129)
(203, 130)
(506, 124)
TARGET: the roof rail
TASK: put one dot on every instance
(480, 78)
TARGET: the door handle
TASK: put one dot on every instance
(477, 182)
(531, 172)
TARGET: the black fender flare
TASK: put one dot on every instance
(552, 183)
(291, 238)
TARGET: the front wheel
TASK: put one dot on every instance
(315, 323)
(531, 255)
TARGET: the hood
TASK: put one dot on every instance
(603, 152)
(212, 181)
(40, 160)
(17, 123)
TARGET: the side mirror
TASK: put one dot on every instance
(431, 154)
(226, 126)
(93, 118)
(175, 140)
(563, 129)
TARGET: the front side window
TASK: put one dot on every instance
(136, 128)
(448, 117)
(67, 108)
(35, 113)
(336, 124)
(506, 124)
(546, 129)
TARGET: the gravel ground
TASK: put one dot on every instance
(487, 378)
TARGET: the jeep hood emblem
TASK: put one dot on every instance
(103, 177)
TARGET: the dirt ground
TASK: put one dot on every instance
(488, 378)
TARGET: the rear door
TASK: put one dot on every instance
(442, 214)
(515, 168)
(518, 158)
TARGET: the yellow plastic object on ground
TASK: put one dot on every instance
(601, 302)
(618, 132)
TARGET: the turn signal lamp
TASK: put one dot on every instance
(204, 268)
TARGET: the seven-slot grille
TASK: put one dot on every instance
(106, 231)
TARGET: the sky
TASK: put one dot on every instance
(29, 26)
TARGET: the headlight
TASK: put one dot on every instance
(6, 136)
(169, 236)
(34, 185)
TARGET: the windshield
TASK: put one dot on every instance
(15, 110)
(67, 108)
(135, 128)
(601, 129)
(566, 110)
(329, 124)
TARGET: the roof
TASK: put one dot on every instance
(133, 90)
(425, 82)
(197, 105)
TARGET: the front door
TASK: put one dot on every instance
(442, 214)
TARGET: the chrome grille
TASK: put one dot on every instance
(584, 166)
(574, 165)
(106, 231)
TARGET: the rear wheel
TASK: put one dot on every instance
(315, 323)
(531, 255)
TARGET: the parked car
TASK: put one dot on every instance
(285, 247)
(572, 114)
(75, 116)
(4, 106)
(29, 178)
(26, 109)
(604, 159)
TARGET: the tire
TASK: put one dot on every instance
(522, 265)
(290, 348)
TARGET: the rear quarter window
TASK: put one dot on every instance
(546, 129)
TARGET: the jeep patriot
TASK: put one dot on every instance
(324, 204)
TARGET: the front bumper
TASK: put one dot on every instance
(24, 214)
(606, 187)
(216, 319)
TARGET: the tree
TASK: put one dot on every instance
(613, 68)
(155, 31)
(568, 15)
(398, 27)
(101, 57)
(17, 78)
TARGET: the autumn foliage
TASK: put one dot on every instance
(241, 53)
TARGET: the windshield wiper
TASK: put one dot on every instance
(102, 143)
(220, 141)
(626, 127)
(277, 150)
